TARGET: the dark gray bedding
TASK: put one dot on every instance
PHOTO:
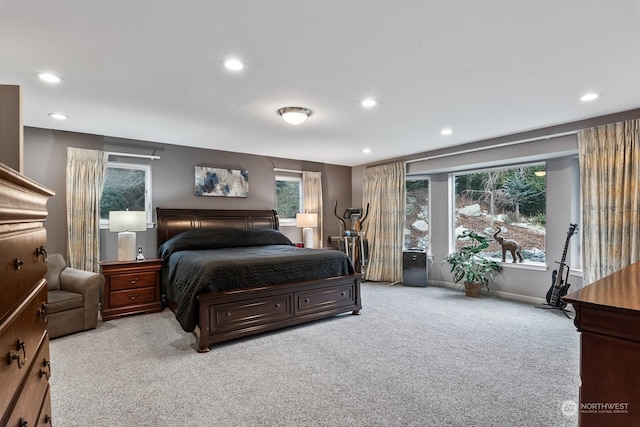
(214, 266)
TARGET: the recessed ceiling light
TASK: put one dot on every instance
(58, 116)
(366, 150)
(589, 96)
(233, 64)
(369, 102)
(49, 78)
(446, 131)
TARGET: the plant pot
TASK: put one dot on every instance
(472, 289)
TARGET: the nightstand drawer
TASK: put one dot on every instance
(132, 296)
(133, 280)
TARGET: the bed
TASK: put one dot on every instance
(220, 301)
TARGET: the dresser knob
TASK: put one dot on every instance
(23, 423)
(46, 371)
(343, 293)
(21, 345)
(134, 281)
(228, 314)
(47, 420)
(19, 263)
(277, 305)
(306, 300)
(43, 311)
(42, 251)
(133, 296)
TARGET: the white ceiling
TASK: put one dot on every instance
(152, 70)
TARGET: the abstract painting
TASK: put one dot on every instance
(221, 182)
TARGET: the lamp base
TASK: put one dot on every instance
(307, 237)
(127, 246)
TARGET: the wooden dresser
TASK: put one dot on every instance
(24, 342)
(608, 316)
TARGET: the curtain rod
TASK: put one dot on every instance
(140, 156)
(286, 170)
(489, 147)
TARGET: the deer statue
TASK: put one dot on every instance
(509, 245)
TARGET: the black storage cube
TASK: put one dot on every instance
(414, 268)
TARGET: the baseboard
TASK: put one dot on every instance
(501, 294)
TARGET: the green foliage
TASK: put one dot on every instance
(123, 189)
(467, 263)
(287, 198)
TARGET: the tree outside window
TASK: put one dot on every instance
(127, 187)
(510, 199)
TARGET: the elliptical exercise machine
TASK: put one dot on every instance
(351, 241)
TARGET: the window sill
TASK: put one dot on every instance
(524, 266)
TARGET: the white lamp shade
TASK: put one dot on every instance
(307, 220)
(127, 221)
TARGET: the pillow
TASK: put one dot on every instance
(222, 238)
(55, 265)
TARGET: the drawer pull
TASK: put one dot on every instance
(21, 345)
(43, 311)
(42, 251)
(306, 300)
(19, 263)
(133, 296)
(46, 370)
(228, 314)
(133, 281)
(47, 420)
(277, 305)
(343, 293)
(23, 423)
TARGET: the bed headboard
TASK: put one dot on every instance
(173, 221)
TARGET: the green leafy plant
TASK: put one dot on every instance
(467, 264)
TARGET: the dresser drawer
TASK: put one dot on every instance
(20, 337)
(34, 391)
(133, 280)
(325, 299)
(44, 419)
(16, 248)
(250, 312)
(132, 296)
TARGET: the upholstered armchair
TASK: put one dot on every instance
(74, 297)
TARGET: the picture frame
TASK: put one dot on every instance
(221, 182)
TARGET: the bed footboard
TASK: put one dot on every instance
(238, 313)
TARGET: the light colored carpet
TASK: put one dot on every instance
(414, 357)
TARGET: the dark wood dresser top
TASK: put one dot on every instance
(619, 291)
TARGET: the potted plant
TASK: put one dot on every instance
(468, 265)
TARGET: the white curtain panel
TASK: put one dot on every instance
(610, 185)
(312, 197)
(384, 190)
(86, 171)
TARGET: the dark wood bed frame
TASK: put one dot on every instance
(228, 315)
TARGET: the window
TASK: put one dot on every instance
(513, 199)
(288, 198)
(127, 186)
(416, 220)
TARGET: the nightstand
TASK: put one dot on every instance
(130, 287)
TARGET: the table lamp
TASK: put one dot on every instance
(126, 223)
(307, 221)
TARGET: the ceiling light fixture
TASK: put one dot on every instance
(366, 150)
(589, 96)
(233, 64)
(446, 131)
(369, 102)
(294, 115)
(49, 78)
(58, 116)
